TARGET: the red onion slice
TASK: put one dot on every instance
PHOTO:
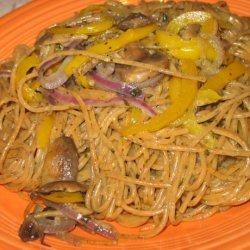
(101, 103)
(56, 79)
(119, 87)
(91, 224)
(141, 105)
(50, 227)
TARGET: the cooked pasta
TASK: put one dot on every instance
(156, 99)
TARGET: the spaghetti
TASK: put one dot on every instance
(155, 143)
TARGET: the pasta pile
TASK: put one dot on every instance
(140, 165)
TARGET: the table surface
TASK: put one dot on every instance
(8, 5)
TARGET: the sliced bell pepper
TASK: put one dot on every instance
(188, 90)
(28, 91)
(197, 129)
(64, 197)
(188, 119)
(25, 65)
(186, 49)
(44, 131)
(91, 10)
(205, 19)
(225, 76)
(131, 35)
(83, 80)
(88, 29)
(30, 94)
(206, 96)
(135, 115)
(175, 86)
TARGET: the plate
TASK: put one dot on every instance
(226, 230)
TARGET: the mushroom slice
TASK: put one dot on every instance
(137, 75)
(61, 162)
(134, 20)
(189, 31)
(30, 230)
(134, 51)
(34, 227)
(64, 186)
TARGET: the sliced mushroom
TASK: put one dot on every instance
(190, 31)
(134, 20)
(44, 36)
(137, 75)
(134, 51)
(66, 186)
(33, 228)
(30, 230)
(105, 69)
(61, 162)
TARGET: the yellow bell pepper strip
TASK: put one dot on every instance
(136, 114)
(197, 129)
(83, 80)
(179, 106)
(91, 10)
(186, 49)
(35, 85)
(25, 65)
(30, 94)
(64, 197)
(44, 131)
(131, 35)
(88, 29)
(225, 76)
(175, 86)
(188, 119)
(205, 19)
(206, 96)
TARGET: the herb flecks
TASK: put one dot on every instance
(135, 92)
